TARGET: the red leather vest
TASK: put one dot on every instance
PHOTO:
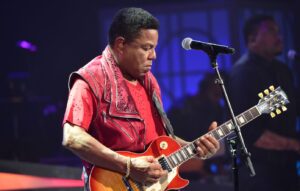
(117, 123)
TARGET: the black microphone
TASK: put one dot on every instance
(293, 55)
(209, 48)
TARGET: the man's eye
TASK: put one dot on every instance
(146, 48)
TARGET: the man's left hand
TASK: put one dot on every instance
(207, 145)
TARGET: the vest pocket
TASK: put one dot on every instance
(114, 124)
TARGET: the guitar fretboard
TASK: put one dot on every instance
(188, 151)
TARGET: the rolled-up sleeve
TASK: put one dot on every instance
(80, 106)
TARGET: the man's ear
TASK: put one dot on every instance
(119, 44)
(251, 40)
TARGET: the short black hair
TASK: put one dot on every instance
(129, 21)
(252, 24)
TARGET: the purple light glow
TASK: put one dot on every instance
(49, 109)
(27, 45)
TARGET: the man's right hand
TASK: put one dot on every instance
(146, 170)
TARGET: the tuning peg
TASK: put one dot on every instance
(271, 88)
(278, 111)
(261, 95)
(266, 91)
(272, 114)
(283, 108)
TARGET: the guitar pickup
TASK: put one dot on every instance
(164, 163)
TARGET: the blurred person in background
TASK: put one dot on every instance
(274, 143)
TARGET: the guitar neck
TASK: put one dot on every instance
(188, 151)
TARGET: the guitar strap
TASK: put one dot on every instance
(163, 115)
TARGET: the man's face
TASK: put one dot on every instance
(137, 55)
(267, 41)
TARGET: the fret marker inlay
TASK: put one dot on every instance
(229, 125)
(241, 119)
(189, 150)
(220, 132)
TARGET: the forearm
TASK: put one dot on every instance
(89, 149)
(270, 140)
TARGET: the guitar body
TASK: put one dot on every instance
(106, 180)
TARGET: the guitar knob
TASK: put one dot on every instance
(163, 145)
(261, 95)
(271, 88)
(266, 91)
(283, 108)
(272, 114)
(278, 111)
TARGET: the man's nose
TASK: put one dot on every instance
(152, 55)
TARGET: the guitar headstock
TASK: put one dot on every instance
(272, 101)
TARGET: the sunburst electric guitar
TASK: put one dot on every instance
(171, 155)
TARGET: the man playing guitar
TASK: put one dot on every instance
(115, 105)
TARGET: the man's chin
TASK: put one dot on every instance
(143, 74)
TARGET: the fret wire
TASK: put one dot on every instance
(189, 149)
(216, 136)
(248, 116)
(186, 152)
(252, 116)
(225, 130)
(238, 121)
(254, 112)
(179, 158)
(220, 132)
(175, 161)
(183, 154)
(230, 123)
(210, 134)
(183, 157)
(173, 157)
(244, 118)
(170, 162)
(192, 146)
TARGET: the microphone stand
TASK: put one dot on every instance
(238, 138)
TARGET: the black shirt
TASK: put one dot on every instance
(251, 75)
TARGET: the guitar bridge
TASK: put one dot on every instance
(164, 164)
